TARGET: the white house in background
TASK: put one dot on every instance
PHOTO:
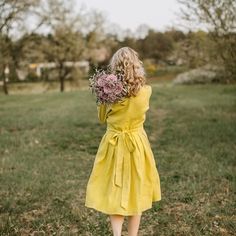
(84, 65)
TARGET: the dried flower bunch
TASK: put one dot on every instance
(108, 88)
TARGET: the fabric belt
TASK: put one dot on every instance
(125, 146)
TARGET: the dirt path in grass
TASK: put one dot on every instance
(157, 117)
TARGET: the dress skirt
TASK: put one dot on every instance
(124, 179)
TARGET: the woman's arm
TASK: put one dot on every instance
(101, 113)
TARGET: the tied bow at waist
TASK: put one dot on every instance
(125, 142)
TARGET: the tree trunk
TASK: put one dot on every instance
(62, 83)
(5, 86)
(61, 77)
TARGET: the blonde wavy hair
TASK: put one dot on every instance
(126, 61)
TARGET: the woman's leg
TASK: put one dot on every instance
(116, 223)
(133, 225)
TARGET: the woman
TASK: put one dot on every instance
(124, 180)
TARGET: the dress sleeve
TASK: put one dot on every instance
(149, 93)
(101, 113)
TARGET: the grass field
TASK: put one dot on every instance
(48, 144)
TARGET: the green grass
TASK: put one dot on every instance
(48, 143)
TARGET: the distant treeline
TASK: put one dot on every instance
(74, 36)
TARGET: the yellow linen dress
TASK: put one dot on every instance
(124, 179)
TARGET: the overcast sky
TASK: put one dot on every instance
(132, 13)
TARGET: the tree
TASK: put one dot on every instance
(12, 21)
(175, 35)
(193, 50)
(156, 45)
(61, 47)
(65, 42)
(219, 17)
(73, 34)
(15, 15)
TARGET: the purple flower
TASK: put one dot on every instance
(119, 88)
(108, 88)
(101, 81)
(111, 78)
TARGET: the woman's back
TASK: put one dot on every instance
(128, 114)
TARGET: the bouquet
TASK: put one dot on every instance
(108, 88)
